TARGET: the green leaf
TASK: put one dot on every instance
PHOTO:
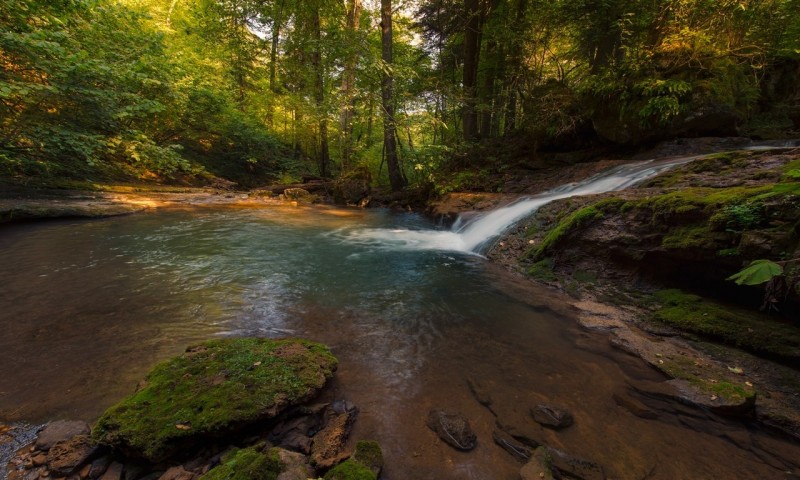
(758, 272)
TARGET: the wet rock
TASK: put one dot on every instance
(570, 465)
(369, 454)
(365, 464)
(511, 445)
(177, 473)
(85, 470)
(211, 390)
(297, 441)
(480, 392)
(295, 432)
(99, 466)
(514, 418)
(65, 457)
(39, 459)
(247, 463)
(724, 402)
(298, 195)
(295, 465)
(59, 431)
(552, 416)
(327, 446)
(634, 406)
(454, 429)
(538, 467)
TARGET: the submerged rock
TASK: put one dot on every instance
(573, 466)
(538, 467)
(552, 416)
(212, 390)
(511, 445)
(454, 429)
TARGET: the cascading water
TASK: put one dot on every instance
(473, 236)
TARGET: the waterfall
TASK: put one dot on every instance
(475, 235)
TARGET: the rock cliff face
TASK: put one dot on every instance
(690, 228)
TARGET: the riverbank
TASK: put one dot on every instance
(633, 263)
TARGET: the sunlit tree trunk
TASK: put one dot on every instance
(349, 83)
(387, 85)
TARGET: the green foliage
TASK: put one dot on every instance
(215, 387)
(758, 272)
(743, 328)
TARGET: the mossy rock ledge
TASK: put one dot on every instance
(212, 390)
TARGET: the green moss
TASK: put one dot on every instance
(743, 328)
(688, 236)
(247, 464)
(543, 270)
(369, 454)
(583, 276)
(685, 368)
(350, 470)
(577, 219)
(211, 389)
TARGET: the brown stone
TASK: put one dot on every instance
(114, 472)
(327, 446)
(65, 457)
(59, 431)
(634, 406)
(99, 466)
(453, 428)
(511, 445)
(537, 468)
(39, 459)
(295, 466)
(84, 473)
(177, 473)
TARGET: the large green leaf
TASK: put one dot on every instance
(758, 272)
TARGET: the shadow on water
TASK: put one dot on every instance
(86, 308)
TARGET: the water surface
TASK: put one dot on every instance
(87, 307)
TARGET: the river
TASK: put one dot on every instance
(88, 307)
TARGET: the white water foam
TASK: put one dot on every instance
(473, 236)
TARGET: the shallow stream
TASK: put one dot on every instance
(88, 307)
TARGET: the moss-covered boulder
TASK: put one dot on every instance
(365, 464)
(212, 390)
(247, 464)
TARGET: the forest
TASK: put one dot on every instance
(270, 91)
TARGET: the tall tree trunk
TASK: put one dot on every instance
(487, 91)
(387, 85)
(470, 78)
(349, 83)
(319, 95)
(273, 62)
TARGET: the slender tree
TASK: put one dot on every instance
(396, 178)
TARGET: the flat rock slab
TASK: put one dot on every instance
(212, 390)
(65, 457)
(59, 431)
(453, 428)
